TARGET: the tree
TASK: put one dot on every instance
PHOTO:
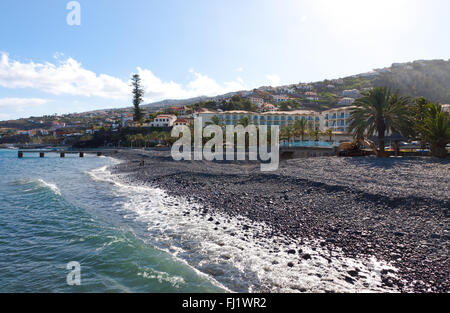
(138, 97)
(310, 129)
(379, 112)
(215, 120)
(287, 133)
(300, 128)
(329, 133)
(315, 134)
(131, 139)
(245, 121)
(419, 112)
(436, 129)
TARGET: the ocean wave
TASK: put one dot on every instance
(161, 277)
(33, 185)
(50, 186)
(238, 254)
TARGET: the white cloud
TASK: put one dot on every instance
(68, 77)
(200, 85)
(20, 104)
(274, 80)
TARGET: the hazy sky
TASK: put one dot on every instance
(189, 48)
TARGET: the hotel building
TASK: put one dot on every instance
(336, 119)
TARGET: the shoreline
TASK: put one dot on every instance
(364, 214)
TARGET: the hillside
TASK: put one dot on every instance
(429, 79)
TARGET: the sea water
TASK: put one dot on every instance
(134, 238)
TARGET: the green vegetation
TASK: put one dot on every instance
(435, 129)
(300, 128)
(138, 97)
(379, 112)
(428, 79)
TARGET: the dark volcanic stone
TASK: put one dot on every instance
(395, 209)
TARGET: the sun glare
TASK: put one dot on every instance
(360, 16)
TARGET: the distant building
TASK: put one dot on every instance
(182, 122)
(337, 120)
(164, 120)
(445, 107)
(353, 93)
(305, 87)
(181, 110)
(259, 102)
(311, 96)
(126, 120)
(346, 101)
(269, 107)
(280, 98)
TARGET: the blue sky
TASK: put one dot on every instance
(200, 47)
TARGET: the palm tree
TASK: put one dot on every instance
(139, 139)
(215, 120)
(147, 139)
(310, 129)
(329, 133)
(287, 133)
(131, 139)
(315, 134)
(379, 112)
(245, 121)
(300, 128)
(436, 129)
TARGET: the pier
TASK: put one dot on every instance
(62, 153)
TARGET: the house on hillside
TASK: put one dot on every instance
(259, 102)
(353, 93)
(280, 98)
(164, 120)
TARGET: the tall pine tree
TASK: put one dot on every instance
(138, 97)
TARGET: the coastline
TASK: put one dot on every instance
(389, 208)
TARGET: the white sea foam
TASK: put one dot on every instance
(161, 277)
(51, 186)
(223, 250)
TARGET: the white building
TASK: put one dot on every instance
(279, 118)
(259, 102)
(346, 101)
(336, 119)
(280, 98)
(164, 120)
(353, 93)
(445, 107)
